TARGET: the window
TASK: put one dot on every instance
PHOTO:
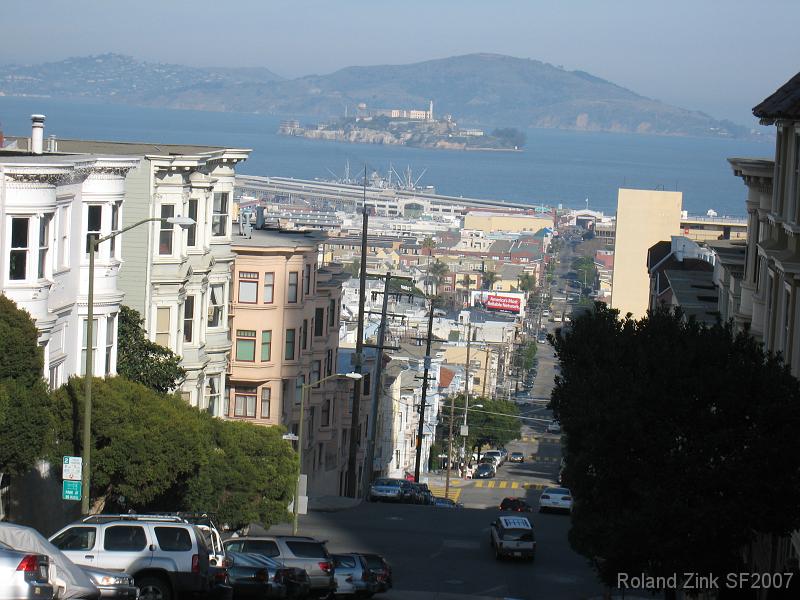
(248, 287)
(188, 319)
(110, 331)
(191, 231)
(216, 304)
(314, 550)
(319, 322)
(264, 547)
(244, 402)
(289, 350)
(213, 396)
(94, 219)
(266, 399)
(124, 538)
(173, 539)
(292, 293)
(266, 345)
(246, 345)
(307, 280)
(114, 228)
(83, 346)
(332, 313)
(304, 335)
(269, 288)
(55, 376)
(316, 368)
(162, 326)
(365, 380)
(219, 218)
(18, 260)
(329, 363)
(76, 538)
(476, 381)
(325, 413)
(63, 228)
(167, 231)
(44, 244)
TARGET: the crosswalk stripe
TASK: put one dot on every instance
(479, 483)
(514, 485)
(503, 484)
(490, 484)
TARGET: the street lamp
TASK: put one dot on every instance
(94, 241)
(304, 390)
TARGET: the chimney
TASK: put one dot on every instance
(37, 133)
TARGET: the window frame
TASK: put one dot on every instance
(160, 332)
(306, 280)
(292, 288)
(188, 319)
(219, 214)
(166, 231)
(251, 279)
(266, 333)
(245, 336)
(96, 232)
(21, 251)
(319, 321)
(44, 245)
(265, 397)
(286, 355)
(269, 276)
(220, 306)
(191, 230)
(246, 395)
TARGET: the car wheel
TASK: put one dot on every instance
(153, 588)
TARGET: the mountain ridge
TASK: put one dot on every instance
(480, 89)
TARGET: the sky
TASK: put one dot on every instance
(718, 56)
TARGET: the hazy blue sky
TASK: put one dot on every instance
(720, 56)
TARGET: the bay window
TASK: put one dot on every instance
(18, 258)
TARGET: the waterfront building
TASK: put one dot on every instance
(49, 205)
(490, 222)
(644, 217)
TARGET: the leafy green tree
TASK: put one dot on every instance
(20, 355)
(681, 443)
(527, 282)
(354, 268)
(25, 415)
(428, 244)
(147, 445)
(585, 269)
(495, 423)
(143, 361)
(249, 476)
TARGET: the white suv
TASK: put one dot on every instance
(166, 555)
(513, 537)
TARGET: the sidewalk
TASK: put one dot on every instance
(332, 503)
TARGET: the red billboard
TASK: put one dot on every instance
(503, 303)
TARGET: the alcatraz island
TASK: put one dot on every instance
(406, 127)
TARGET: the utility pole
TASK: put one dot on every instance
(421, 428)
(466, 399)
(355, 430)
(372, 426)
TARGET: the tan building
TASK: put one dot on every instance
(482, 370)
(644, 217)
(285, 333)
(488, 222)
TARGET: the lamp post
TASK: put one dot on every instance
(94, 241)
(304, 390)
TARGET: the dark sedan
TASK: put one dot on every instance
(484, 471)
(515, 505)
(378, 565)
(258, 576)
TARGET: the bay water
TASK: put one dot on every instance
(555, 168)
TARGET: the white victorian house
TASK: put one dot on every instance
(48, 205)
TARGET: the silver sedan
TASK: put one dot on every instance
(24, 576)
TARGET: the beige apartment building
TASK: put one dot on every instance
(285, 333)
(489, 222)
(644, 217)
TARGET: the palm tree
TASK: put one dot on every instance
(428, 244)
(467, 281)
(489, 279)
(436, 272)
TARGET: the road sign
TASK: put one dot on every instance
(72, 468)
(465, 430)
(71, 490)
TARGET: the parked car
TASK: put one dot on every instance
(496, 455)
(503, 454)
(113, 584)
(378, 565)
(256, 575)
(292, 551)
(515, 505)
(440, 502)
(554, 427)
(24, 575)
(484, 471)
(387, 489)
(68, 580)
(421, 494)
(512, 537)
(165, 555)
(353, 577)
(555, 498)
(517, 457)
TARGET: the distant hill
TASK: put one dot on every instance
(485, 90)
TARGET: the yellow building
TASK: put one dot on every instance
(644, 217)
(489, 222)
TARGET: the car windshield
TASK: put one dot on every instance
(374, 561)
(557, 491)
(517, 535)
(484, 467)
(516, 454)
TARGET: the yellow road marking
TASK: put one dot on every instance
(503, 484)
(479, 483)
(490, 484)
(514, 485)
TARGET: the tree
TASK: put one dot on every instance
(354, 268)
(586, 273)
(249, 476)
(143, 361)
(25, 413)
(20, 354)
(437, 272)
(496, 423)
(527, 282)
(489, 279)
(681, 442)
(428, 244)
